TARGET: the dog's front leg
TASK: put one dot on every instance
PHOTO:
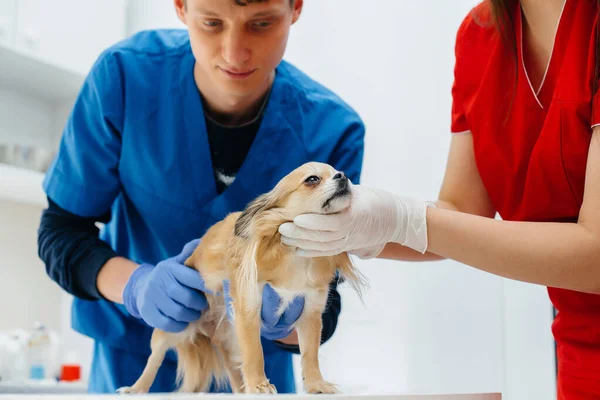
(247, 307)
(309, 329)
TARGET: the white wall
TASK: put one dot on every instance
(26, 293)
(143, 14)
(430, 327)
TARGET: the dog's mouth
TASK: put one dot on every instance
(342, 190)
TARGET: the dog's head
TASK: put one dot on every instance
(311, 188)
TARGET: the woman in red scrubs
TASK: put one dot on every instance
(525, 145)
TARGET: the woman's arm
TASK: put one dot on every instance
(462, 190)
(563, 255)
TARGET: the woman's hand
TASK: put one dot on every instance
(375, 218)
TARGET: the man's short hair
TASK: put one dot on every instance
(242, 2)
(245, 2)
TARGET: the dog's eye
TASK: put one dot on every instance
(312, 180)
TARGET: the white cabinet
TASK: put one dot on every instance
(68, 33)
(8, 12)
(47, 47)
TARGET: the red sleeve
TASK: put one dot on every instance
(459, 120)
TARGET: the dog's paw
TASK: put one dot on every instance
(131, 390)
(262, 388)
(320, 387)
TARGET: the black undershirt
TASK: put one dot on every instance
(229, 147)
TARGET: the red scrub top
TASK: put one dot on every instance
(531, 150)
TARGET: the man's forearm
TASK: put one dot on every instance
(72, 252)
(113, 277)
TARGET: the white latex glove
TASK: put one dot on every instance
(375, 218)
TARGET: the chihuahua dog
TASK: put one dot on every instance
(240, 254)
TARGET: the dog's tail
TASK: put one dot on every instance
(199, 365)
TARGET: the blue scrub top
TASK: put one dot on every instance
(136, 144)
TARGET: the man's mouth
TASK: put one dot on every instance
(237, 74)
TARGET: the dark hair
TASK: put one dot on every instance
(242, 2)
(245, 2)
(503, 12)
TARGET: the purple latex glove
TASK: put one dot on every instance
(273, 326)
(167, 296)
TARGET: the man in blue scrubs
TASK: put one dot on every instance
(172, 130)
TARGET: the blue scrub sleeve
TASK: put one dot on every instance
(348, 154)
(84, 179)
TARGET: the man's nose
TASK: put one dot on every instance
(235, 49)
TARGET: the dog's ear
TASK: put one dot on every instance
(260, 204)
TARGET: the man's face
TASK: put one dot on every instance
(238, 47)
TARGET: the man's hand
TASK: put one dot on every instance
(167, 296)
(274, 325)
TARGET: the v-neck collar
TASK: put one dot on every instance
(259, 162)
(520, 45)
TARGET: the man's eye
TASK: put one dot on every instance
(312, 180)
(261, 24)
(212, 23)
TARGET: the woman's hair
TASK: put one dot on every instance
(503, 12)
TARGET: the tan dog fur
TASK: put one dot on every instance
(245, 248)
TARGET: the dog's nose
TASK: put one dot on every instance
(339, 175)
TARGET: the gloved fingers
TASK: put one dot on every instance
(294, 231)
(176, 311)
(366, 253)
(301, 244)
(271, 302)
(292, 312)
(167, 324)
(187, 251)
(190, 298)
(226, 288)
(318, 253)
(189, 277)
(323, 222)
(163, 302)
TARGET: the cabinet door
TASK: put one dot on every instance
(69, 33)
(7, 22)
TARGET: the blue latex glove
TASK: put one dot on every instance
(273, 327)
(167, 296)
